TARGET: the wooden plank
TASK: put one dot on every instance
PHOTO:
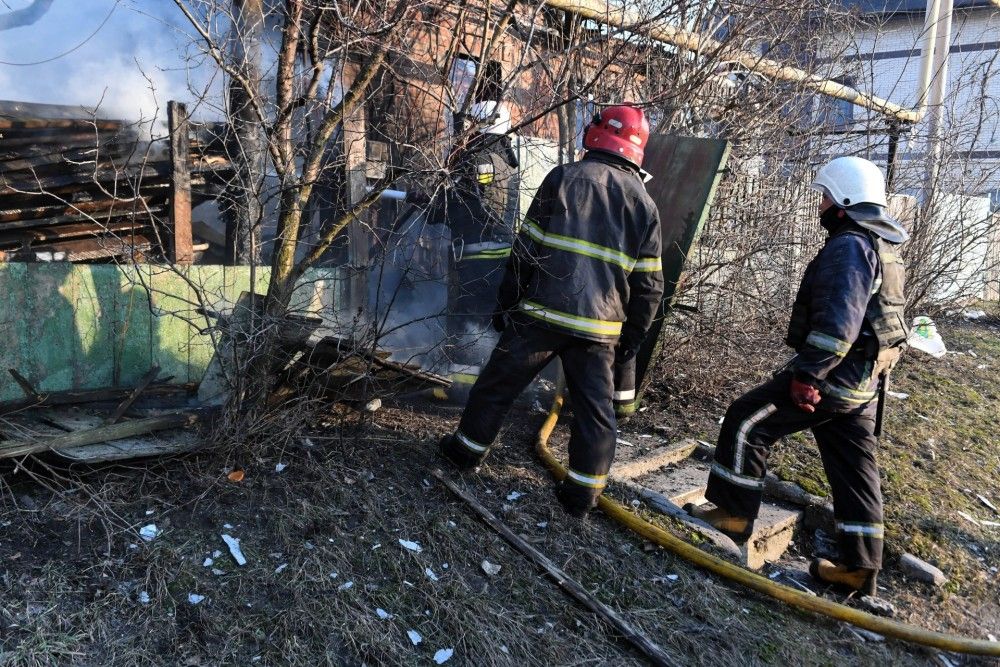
(81, 250)
(127, 403)
(180, 250)
(108, 395)
(97, 208)
(47, 139)
(23, 383)
(15, 239)
(60, 124)
(633, 635)
(16, 448)
(17, 109)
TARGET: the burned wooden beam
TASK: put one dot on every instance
(86, 396)
(83, 250)
(38, 236)
(25, 217)
(144, 382)
(180, 250)
(63, 123)
(28, 389)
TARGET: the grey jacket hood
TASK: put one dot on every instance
(877, 220)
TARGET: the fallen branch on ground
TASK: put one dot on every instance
(635, 637)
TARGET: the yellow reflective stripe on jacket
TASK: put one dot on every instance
(570, 321)
(828, 343)
(590, 481)
(648, 265)
(463, 378)
(489, 254)
(578, 246)
(848, 395)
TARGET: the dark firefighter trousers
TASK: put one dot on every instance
(847, 444)
(522, 352)
(472, 297)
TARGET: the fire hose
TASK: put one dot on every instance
(790, 596)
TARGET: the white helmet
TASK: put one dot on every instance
(495, 116)
(850, 181)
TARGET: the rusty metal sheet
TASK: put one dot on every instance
(686, 172)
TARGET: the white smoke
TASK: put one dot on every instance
(134, 64)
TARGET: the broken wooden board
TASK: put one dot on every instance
(98, 435)
(343, 370)
(48, 423)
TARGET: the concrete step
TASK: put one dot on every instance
(634, 465)
(772, 534)
(681, 484)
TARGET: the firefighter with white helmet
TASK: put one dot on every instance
(848, 330)
(480, 206)
(583, 283)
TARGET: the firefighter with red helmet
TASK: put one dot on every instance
(583, 284)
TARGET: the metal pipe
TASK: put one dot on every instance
(931, 20)
(939, 87)
(619, 17)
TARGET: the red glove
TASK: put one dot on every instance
(804, 396)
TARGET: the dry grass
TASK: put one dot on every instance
(71, 576)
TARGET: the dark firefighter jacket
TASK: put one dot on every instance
(847, 323)
(482, 204)
(587, 258)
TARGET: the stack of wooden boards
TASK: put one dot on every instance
(74, 187)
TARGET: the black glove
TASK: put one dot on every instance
(499, 321)
(628, 345)
(417, 197)
(623, 354)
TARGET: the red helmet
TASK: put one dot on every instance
(620, 130)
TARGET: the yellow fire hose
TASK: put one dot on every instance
(790, 596)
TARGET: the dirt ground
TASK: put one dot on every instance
(328, 579)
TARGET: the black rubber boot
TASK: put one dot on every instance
(737, 528)
(577, 500)
(455, 453)
(860, 579)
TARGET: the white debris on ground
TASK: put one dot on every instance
(208, 562)
(410, 546)
(443, 655)
(383, 614)
(234, 549)
(514, 495)
(414, 636)
(490, 568)
(143, 597)
(897, 394)
(430, 574)
(194, 598)
(346, 586)
(280, 568)
(149, 532)
(924, 336)
(279, 467)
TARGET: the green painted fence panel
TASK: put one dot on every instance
(76, 326)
